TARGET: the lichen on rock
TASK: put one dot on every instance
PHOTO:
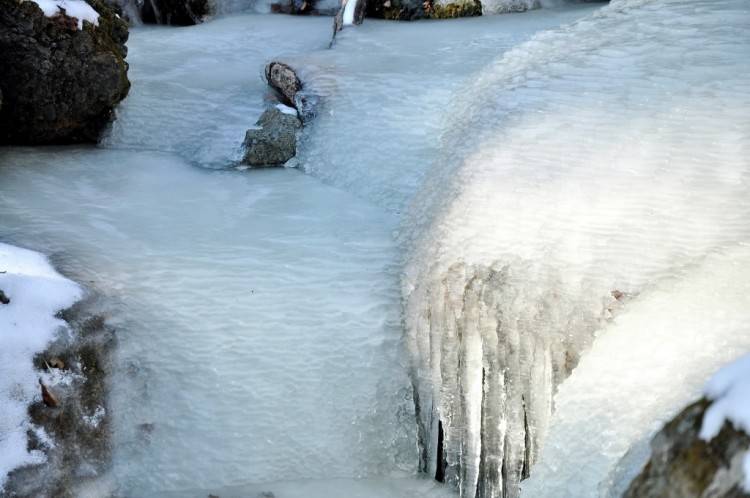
(59, 84)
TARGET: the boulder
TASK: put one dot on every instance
(683, 465)
(275, 142)
(60, 77)
(282, 78)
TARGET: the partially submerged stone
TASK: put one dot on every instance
(275, 142)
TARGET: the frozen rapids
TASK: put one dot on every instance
(512, 247)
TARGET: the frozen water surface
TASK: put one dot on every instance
(259, 314)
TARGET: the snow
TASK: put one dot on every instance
(286, 109)
(73, 8)
(729, 389)
(27, 324)
(349, 7)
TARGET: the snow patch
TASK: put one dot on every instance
(27, 324)
(73, 8)
(286, 109)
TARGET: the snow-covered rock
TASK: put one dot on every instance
(62, 70)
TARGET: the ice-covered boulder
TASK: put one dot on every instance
(275, 141)
(62, 70)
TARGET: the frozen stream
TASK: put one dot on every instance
(258, 313)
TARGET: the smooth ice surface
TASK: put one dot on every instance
(36, 292)
(257, 321)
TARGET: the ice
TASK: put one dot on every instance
(36, 292)
(559, 184)
(579, 181)
(387, 91)
(641, 371)
(257, 321)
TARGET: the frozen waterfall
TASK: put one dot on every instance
(584, 167)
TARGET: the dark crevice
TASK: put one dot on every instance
(483, 470)
(525, 472)
(441, 460)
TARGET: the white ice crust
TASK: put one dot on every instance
(27, 324)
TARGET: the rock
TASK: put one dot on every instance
(282, 78)
(59, 83)
(401, 10)
(453, 10)
(3, 298)
(178, 12)
(290, 90)
(275, 143)
(684, 466)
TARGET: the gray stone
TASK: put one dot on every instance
(59, 83)
(282, 78)
(275, 142)
(684, 466)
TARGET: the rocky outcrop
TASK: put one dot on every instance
(79, 423)
(177, 12)
(683, 465)
(59, 83)
(275, 142)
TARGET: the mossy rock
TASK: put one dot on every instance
(455, 10)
